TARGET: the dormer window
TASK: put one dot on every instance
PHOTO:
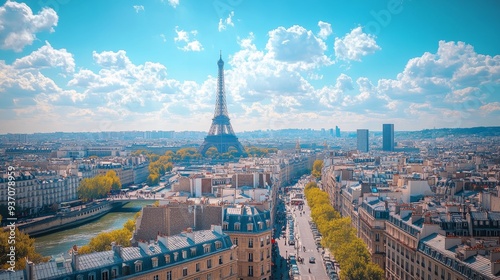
(154, 261)
(249, 227)
(138, 266)
(218, 244)
(176, 255)
(225, 226)
(184, 254)
(206, 248)
(236, 226)
(167, 258)
(193, 252)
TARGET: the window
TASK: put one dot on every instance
(169, 275)
(250, 257)
(377, 236)
(231, 257)
(197, 267)
(155, 277)
(184, 271)
(225, 226)
(79, 277)
(193, 252)
(261, 269)
(218, 244)
(261, 242)
(154, 261)
(236, 226)
(138, 266)
(261, 255)
(176, 255)
(235, 241)
(268, 240)
(209, 276)
(250, 270)
(220, 259)
(91, 276)
(249, 227)
(105, 275)
(231, 270)
(206, 248)
(250, 242)
(167, 258)
(114, 272)
(184, 254)
(209, 263)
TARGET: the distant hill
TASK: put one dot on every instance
(446, 132)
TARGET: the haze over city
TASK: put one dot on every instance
(151, 65)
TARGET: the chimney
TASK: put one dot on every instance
(190, 234)
(117, 249)
(495, 261)
(217, 229)
(163, 240)
(30, 270)
(452, 241)
(74, 261)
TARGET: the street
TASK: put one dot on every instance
(304, 238)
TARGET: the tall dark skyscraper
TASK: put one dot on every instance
(388, 137)
(337, 132)
(363, 145)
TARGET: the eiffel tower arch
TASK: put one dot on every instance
(221, 134)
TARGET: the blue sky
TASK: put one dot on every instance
(68, 65)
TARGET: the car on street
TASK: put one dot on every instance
(312, 260)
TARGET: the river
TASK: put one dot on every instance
(61, 241)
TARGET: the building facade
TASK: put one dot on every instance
(363, 141)
(388, 137)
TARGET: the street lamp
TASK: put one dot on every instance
(286, 254)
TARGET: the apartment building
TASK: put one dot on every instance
(191, 255)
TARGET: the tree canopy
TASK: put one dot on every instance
(317, 166)
(24, 248)
(98, 186)
(340, 237)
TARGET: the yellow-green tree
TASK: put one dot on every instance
(317, 166)
(24, 248)
(115, 180)
(98, 186)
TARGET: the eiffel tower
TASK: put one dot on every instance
(221, 134)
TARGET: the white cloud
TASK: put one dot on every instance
(18, 25)
(173, 3)
(355, 45)
(490, 107)
(325, 30)
(138, 8)
(47, 57)
(227, 22)
(109, 59)
(296, 45)
(186, 43)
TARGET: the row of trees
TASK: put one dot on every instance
(98, 186)
(340, 238)
(102, 241)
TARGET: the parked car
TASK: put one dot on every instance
(312, 260)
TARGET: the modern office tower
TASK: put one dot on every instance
(337, 132)
(388, 137)
(362, 140)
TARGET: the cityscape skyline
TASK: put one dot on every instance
(127, 66)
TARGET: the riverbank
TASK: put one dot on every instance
(61, 241)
